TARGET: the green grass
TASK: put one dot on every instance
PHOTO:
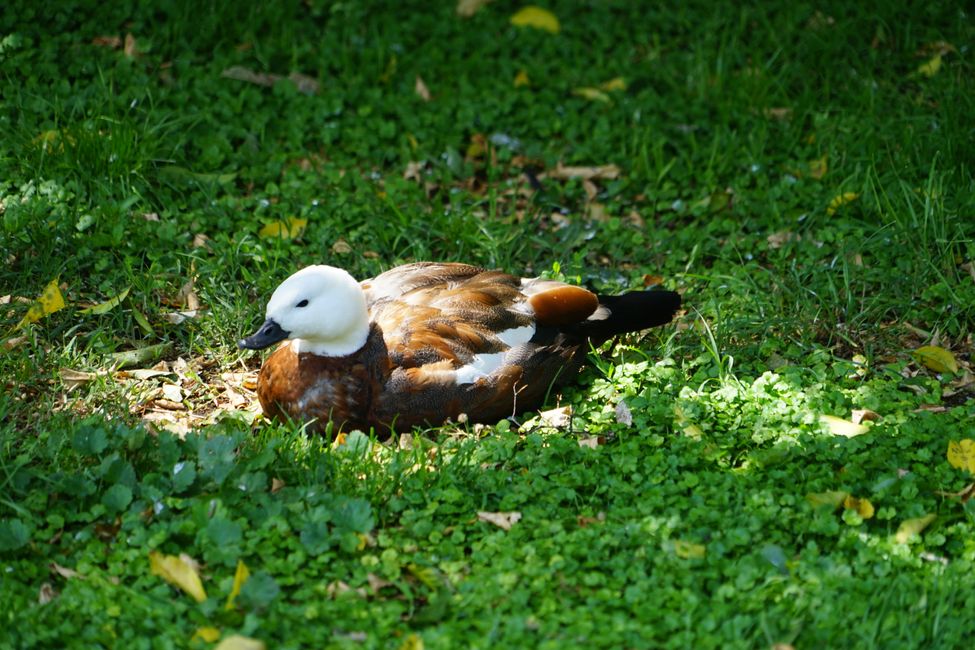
(693, 525)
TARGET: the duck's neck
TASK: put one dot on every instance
(342, 346)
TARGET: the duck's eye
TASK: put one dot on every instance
(303, 303)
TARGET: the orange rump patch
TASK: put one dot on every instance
(563, 305)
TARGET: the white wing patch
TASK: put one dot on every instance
(483, 365)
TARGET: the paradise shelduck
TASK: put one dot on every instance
(427, 342)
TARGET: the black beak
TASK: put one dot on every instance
(269, 334)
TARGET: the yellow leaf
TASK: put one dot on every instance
(689, 550)
(532, 16)
(840, 427)
(107, 306)
(47, 303)
(937, 359)
(911, 527)
(521, 79)
(238, 642)
(962, 454)
(176, 570)
(819, 167)
(412, 642)
(617, 83)
(208, 634)
(287, 229)
(592, 94)
(840, 200)
(930, 67)
(240, 577)
(832, 499)
(863, 506)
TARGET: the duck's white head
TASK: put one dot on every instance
(321, 308)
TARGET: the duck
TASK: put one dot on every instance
(428, 343)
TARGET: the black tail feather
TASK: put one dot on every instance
(631, 312)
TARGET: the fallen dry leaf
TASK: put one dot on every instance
(241, 574)
(504, 520)
(285, 229)
(961, 454)
(536, 18)
(341, 247)
(778, 113)
(131, 48)
(50, 301)
(591, 442)
(467, 8)
(179, 571)
(276, 485)
(74, 378)
(831, 499)
(376, 583)
(936, 358)
(689, 550)
(187, 296)
(911, 528)
(863, 506)
(421, 89)
(623, 414)
(840, 427)
(558, 418)
(64, 571)
(238, 642)
(46, 594)
(112, 42)
(207, 633)
(781, 238)
(602, 172)
(859, 415)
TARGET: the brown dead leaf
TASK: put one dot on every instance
(781, 238)
(240, 73)
(591, 190)
(14, 342)
(169, 405)
(414, 170)
(467, 8)
(187, 296)
(131, 48)
(584, 521)
(200, 240)
(111, 42)
(304, 83)
(558, 418)
(341, 247)
(64, 571)
(376, 583)
(172, 393)
(46, 594)
(602, 172)
(503, 520)
(178, 317)
(420, 88)
(74, 378)
(778, 113)
(591, 442)
(276, 485)
(859, 415)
